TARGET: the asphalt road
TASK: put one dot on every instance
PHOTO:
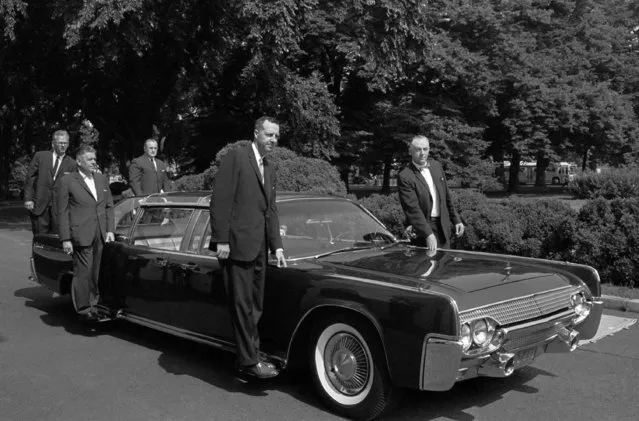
(51, 369)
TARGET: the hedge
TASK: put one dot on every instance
(614, 183)
(294, 173)
(603, 234)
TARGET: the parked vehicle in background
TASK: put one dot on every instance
(561, 173)
(555, 174)
(367, 314)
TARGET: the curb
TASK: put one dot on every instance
(620, 303)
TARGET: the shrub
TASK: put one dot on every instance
(610, 184)
(388, 210)
(607, 238)
(536, 229)
(294, 172)
(191, 182)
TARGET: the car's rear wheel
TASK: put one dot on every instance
(348, 367)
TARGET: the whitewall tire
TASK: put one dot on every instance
(348, 367)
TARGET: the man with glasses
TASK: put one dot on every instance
(45, 170)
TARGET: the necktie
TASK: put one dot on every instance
(260, 165)
(56, 166)
(154, 165)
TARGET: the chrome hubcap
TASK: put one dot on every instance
(347, 364)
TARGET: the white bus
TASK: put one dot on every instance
(556, 173)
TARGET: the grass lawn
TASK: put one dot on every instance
(625, 292)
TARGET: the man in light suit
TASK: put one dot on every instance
(45, 170)
(86, 222)
(244, 226)
(147, 174)
(425, 199)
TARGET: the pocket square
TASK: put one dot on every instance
(104, 190)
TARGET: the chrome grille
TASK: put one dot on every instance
(531, 339)
(524, 308)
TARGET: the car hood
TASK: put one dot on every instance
(458, 274)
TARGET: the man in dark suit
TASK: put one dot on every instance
(147, 174)
(244, 226)
(86, 222)
(45, 170)
(425, 199)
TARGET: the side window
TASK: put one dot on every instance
(161, 228)
(125, 213)
(199, 233)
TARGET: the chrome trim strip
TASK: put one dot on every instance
(184, 333)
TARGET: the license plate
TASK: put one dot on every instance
(524, 357)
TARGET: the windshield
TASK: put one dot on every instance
(319, 226)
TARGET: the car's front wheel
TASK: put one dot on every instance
(348, 368)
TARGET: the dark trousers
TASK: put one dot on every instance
(244, 282)
(86, 268)
(45, 222)
(436, 226)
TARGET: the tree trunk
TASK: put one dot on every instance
(388, 162)
(542, 164)
(584, 160)
(513, 176)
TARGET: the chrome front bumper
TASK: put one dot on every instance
(443, 362)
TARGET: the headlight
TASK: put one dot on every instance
(580, 305)
(483, 331)
(466, 339)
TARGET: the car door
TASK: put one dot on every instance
(198, 299)
(143, 279)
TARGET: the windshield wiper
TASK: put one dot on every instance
(345, 249)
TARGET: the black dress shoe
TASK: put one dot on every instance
(260, 370)
(269, 365)
(89, 317)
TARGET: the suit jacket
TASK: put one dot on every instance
(144, 179)
(417, 203)
(40, 183)
(80, 214)
(243, 210)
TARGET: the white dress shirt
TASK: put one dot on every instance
(260, 161)
(434, 213)
(90, 182)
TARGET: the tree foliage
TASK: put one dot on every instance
(351, 80)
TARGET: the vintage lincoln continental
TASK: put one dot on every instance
(366, 313)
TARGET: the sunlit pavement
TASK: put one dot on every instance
(53, 369)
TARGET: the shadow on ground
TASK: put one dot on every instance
(181, 357)
(178, 356)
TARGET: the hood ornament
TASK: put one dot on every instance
(508, 268)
